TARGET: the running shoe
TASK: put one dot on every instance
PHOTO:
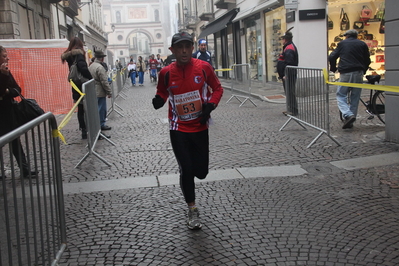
(193, 221)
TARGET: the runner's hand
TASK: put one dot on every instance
(157, 102)
(207, 108)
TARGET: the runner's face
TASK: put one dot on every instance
(202, 47)
(183, 51)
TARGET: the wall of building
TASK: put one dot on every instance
(310, 36)
(392, 69)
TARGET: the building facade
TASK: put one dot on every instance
(248, 31)
(140, 28)
(54, 19)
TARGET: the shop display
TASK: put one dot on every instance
(368, 20)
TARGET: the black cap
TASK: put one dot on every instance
(182, 36)
(288, 34)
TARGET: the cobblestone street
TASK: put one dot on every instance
(268, 199)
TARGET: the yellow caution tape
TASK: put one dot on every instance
(361, 85)
(67, 118)
(223, 69)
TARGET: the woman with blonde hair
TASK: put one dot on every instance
(76, 53)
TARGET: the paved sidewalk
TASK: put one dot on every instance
(267, 200)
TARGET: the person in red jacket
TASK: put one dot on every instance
(185, 84)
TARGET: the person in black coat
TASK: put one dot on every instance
(76, 52)
(289, 57)
(354, 60)
(9, 89)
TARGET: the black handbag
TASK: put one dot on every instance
(26, 110)
(330, 24)
(382, 24)
(75, 75)
(344, 20)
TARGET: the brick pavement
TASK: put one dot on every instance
(326, 216)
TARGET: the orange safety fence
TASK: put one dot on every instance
(40, 73)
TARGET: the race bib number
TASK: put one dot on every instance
(188, 105)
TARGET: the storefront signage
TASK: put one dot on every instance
(312, 14)
(290, 16)
(291, 4)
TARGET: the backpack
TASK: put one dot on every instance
(75, 75)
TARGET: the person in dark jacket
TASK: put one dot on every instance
(354, 61)
(289, 57)
(9, 89)
(202, 53)
(76, 52)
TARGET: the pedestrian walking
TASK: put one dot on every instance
(76, 53)
(289, 57)
(153, 68)
(131, 67)
(103, 88)
(202, 53)
(9, 89)
(160, 63)
(354, 61)
(185, 83)
(141, 68)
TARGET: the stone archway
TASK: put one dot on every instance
(139, 43)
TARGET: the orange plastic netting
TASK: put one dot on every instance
(42, 76)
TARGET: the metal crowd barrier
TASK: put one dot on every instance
(307, 100)
(241, 80)
(118, 81)
(92, 118)
(32, 225)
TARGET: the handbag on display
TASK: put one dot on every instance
(337, 39)
(366, 13)
(358, 25)
(344, 25)
(330, 23)
(368, 36)
(26, 110)
(382, 24)
(75, 75)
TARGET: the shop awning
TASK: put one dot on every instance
(83, 27)
(242, 14)
(263, 4)
(219, 23)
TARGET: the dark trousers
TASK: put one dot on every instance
(81, 117)
(20, 156)
(192, 155)
(289, 89)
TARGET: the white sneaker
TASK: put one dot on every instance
(193, 221)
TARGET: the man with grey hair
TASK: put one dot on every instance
(354, 61)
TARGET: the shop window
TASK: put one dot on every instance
(275, 27)
(366, 17)
(254, 47)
